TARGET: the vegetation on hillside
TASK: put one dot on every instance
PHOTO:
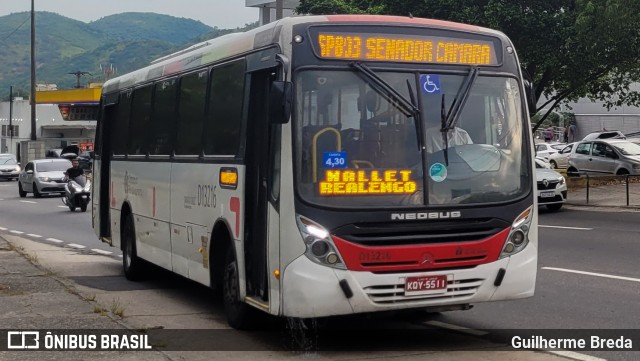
(128, 41)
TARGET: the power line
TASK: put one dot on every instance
(16, 29)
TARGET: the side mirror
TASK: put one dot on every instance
(529, 91)
(280, 99)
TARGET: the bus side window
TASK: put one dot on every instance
(164, 110)
(224, 118)
(140, 121)
(121, 125)
(191, 108)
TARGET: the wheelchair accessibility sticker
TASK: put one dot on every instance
(430, 83)
(438, 172)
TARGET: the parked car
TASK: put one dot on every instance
(561, 159)
(53, 153)
(605, 134)
(9, 167)
(544, 150)
(634, 140)
(43, 176)
(551, 185)
(614, 156)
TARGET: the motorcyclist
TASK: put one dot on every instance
(75, 170)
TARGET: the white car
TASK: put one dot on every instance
(561, 159)
(545, 150)
(9, 167)
(552, 187)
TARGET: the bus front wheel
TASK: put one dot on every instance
(238, 313)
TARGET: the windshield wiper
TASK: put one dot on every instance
(449, 119)
(408, 107)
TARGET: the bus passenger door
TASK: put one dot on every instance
(101, 177)
(256, 197)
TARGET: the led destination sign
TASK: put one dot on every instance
(366, 181)
(399, 48)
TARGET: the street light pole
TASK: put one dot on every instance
(33, 71)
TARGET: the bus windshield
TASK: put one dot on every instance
(357, 147)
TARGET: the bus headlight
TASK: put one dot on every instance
(320, 247)
(519, 235)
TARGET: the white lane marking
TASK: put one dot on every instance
(62, 206)
(561, 227)
(120, 255)
(456, 328)
(1, 199)
(593, 274)
(16, 232)
(32, 202)
(2, 229)
(78, 246)
(34, 235)
(576, 356)
(54, 240)
(101, 251)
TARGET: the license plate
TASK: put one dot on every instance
(84, 197)
(424, 285)
(547, 194)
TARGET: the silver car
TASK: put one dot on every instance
(9, 168)
(561, 159)
(43, 176)
(606, 156)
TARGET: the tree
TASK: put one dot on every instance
(571, 48)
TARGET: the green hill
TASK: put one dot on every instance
(150, 26)
(128, 41)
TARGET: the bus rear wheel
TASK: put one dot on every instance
(238, 313)
(132, 265)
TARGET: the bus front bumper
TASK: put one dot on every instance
(311, 290)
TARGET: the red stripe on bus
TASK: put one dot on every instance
(421, 257)
(234, 206)
(402, 19)
(113, 197)
(154, 201)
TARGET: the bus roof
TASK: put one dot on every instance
(231, 45)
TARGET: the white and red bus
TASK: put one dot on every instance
(326, 165)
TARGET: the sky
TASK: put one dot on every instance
(224, 14)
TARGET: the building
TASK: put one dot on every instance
(593, 117)
(268, 10)
(52, 130)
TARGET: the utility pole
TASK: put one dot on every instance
(279, 11)
(78, 75)
(33, 71)
(10, 119)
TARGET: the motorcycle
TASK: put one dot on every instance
(77, 193)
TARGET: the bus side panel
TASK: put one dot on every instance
(197, 203)
(145, 186)
(273, 259)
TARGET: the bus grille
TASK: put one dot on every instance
(393, 294)
(394, 234)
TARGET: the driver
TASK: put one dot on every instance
(456, 136)
(75, 170)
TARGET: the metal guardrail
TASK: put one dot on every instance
(600, 177)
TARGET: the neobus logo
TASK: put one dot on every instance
(424, 215)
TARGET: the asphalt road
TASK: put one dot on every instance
(48, 218)
(588, 275)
